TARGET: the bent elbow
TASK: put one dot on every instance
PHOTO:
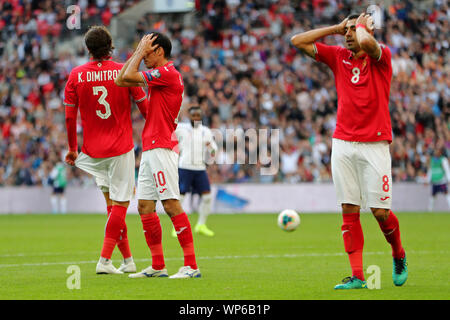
(119, 82)
(296, 42)
(293, 40)
(128, 77)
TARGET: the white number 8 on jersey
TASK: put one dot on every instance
(356, 73)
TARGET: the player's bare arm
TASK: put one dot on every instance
(130, 75)
(364, 36)
(119, 81)
(305, 40)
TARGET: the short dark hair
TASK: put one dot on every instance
(163, 41)
(353, 16)
(98, 40)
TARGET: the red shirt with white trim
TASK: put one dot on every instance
(105, 108)
(165, 94)
(363, 87)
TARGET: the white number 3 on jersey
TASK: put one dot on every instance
(102, 101)
(356, 73)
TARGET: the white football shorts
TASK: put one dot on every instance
(158, 175)
(362, 173)
(114, 174)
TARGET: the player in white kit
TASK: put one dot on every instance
(196, 145)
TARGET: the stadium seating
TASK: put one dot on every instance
(238, 64)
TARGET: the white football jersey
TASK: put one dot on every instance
(192, 143)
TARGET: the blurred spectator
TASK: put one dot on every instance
(238, 65)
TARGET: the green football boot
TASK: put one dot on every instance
(351, 283)
(204, 230)
(399, 271)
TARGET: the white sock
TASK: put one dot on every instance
(204, 208)
(182, 196)
(54, 203)
(104, 260)
(193, 203)
(447, 196)
(128, 260)
(63, 204)
(431, 204)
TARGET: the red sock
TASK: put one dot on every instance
(391, 230)
(353, 242)
(184, 232)
(114, 225)
(123, 243)
(153, 236)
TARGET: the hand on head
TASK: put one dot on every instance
(366, 20)
(146, 45)
(340, 28)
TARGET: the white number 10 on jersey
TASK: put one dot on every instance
(102, 101)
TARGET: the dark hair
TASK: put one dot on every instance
(353, 16)
(164, 42)
(98, 40)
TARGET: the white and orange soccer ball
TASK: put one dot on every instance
(288, 220)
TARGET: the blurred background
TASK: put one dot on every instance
(239, 66)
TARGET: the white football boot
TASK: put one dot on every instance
(128, 265)
(186, 272)
(105, 266)
(150, 273)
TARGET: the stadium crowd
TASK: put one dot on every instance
(239, 66)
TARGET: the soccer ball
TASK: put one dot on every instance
(288, 220)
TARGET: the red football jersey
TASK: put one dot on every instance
(165, 94)
(105, 108)
(363, 87)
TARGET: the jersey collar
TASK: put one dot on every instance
(351, 56)
(91, 59)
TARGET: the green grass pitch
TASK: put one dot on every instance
(249, 258)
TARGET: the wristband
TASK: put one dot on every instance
(360, 25)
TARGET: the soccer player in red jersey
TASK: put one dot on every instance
(108, 148)
(360, 161)
(158, 172)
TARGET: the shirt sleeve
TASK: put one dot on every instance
(385, 56)
(160, 77)
(71, 108)
(70, 94)
(71, 127)
(326, 54)
(138, 94)
(210, 139)
(446, 168)
(179, 131)
(140, 97)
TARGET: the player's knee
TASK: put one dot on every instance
(380, 214)
(350, 208)
(146, 207)
(141, 208)
(206, 198)
(121, 203)
(172, 207)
